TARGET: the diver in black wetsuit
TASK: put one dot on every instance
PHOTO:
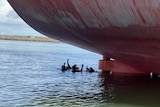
(68, 65)
(90, 69)
(76, 69)
(63, 67)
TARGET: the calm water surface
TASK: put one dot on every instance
(30, 76)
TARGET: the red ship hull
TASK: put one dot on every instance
(126, 30)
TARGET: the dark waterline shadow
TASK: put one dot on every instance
(131, 89)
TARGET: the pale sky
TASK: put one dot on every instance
(12, 24)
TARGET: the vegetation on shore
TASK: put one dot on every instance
(28, 38)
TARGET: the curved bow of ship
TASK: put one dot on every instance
(126, 30)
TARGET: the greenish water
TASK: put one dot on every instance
(30, 76)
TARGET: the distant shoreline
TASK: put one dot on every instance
(28, 38)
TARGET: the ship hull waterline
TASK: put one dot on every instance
(126, 30)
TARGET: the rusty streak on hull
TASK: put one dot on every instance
(127, 30)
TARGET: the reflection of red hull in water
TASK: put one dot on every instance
(126, 30)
